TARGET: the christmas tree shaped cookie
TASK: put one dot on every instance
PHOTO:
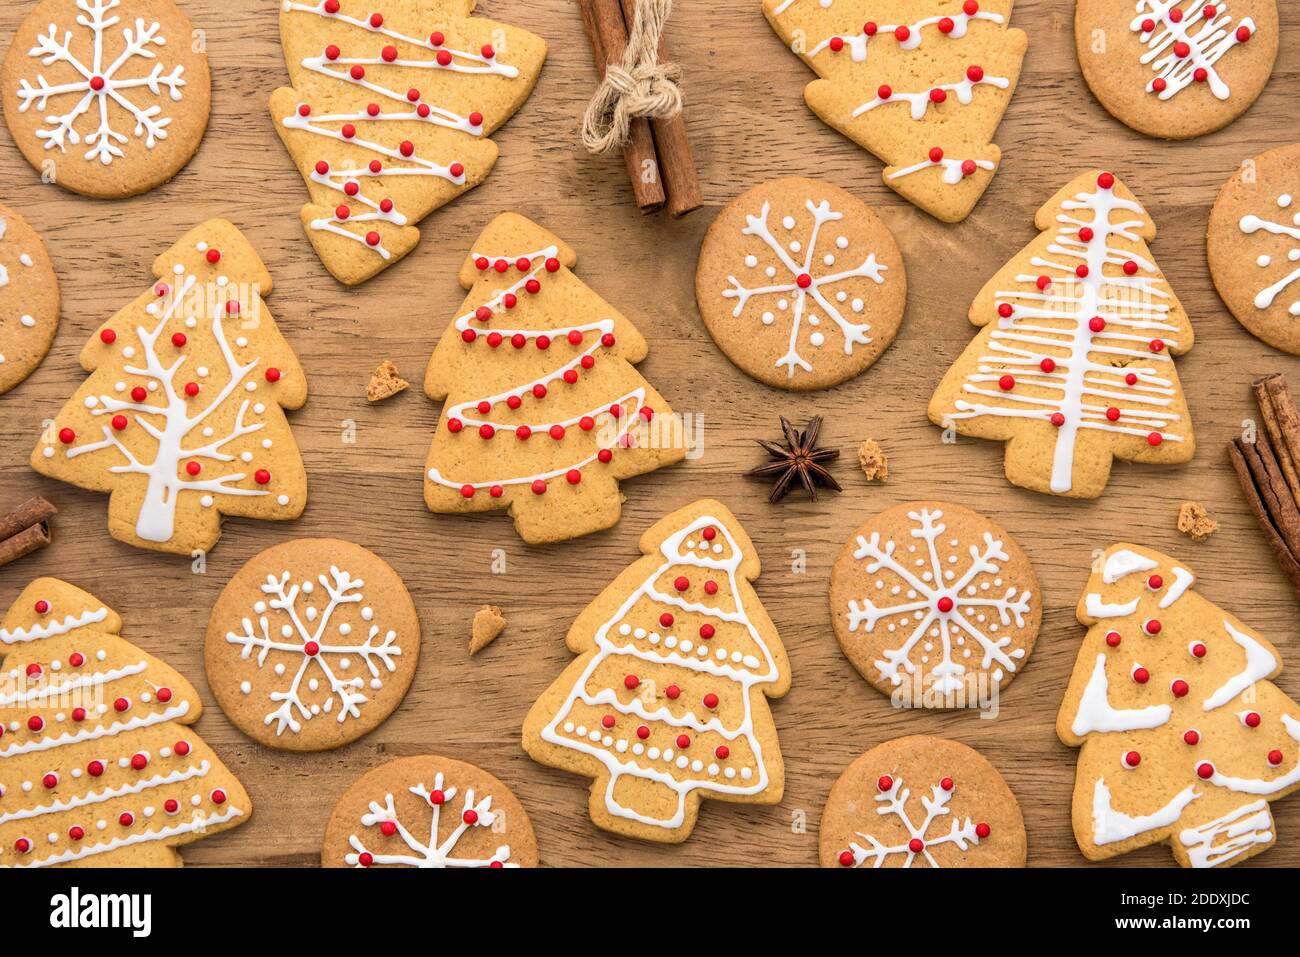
(1073, 365)
(922, 84)
(389, 116)
(544, 413)
(1184, 737)
(182, 419)
(667, 701)
(98, 764)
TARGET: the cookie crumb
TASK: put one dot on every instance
(873, 461)
(385, 383)
(488, 623)
(1195, 521)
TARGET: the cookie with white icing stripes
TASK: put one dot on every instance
(99, 763)
(1184, 738)
(1073, 366)
(108, 98)
(1253, 245)
(29, 300)
(921, 801)
(922, 84)
(800, 284)
(429, 811)
(1176, 68)
(935, 605)
(312, 644)
(389, 116)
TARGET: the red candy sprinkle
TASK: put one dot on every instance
(681, 583)
(631, 682)
(1113, 638)
(722, 752)
(1191, 737)
(885, 783)
(1106, 180)
(1205, 770)
(1179, 688)
(1132, 759)
(710, 700)
(1275, 757)
(643, 732)
(982, 830)
(273, 374)
(1141, 675)
(683, 741)
(707, 631)
(178, 339)
(1007, 383)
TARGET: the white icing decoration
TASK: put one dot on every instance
(1183, 580)
(292, 710)
(1260, 663)
(754, 674)
(53, 627)
(1240, 830)
(1259, 785)
(1134, 315)
(927, 589)
(1250, 224)
(920, 102)
(433, 853)
(121, 82)
(1110, 825)
(1206, 39)
(1096, 608)
(1096, 714)
(893, 801)
(821, 213)
(856, 43)
(1125, 562)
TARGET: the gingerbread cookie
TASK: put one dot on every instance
(98, 763)
(935, 605)
(1073, 366)
(389, 116)
(667, 701)
(800, 284)
(182, 417)
(29, 300)
(922, 84)
(312, 644)
(543, 411)
(1176, 68)
(1253, 245)
(962, 815)
(429, 812)
(107, 98)
(1184, 739)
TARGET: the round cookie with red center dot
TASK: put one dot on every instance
(1253, 246)
(800, 284)
(429, 811)
(935, 605)
(29, 300)
(106, 99)
(312, 644)
(1176, 68)
(921, 801)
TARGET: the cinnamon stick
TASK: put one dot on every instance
(1290, 567)
(681, 180)
(1284, 409)
(1272, 426)
(32, 512)
(1276, 494)
(603, 21)
(24, 543)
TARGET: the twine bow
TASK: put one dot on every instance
(637, 86)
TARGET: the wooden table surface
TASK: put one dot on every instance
(748, 123)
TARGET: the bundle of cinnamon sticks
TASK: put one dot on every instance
(25, 529)
(657, 154)
(1269, 472)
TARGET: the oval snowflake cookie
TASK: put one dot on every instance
(1253, 245)
(800, 284)
(29, 300)
(429, 811)
(107, 98)
(1176, 68)
(312, 644)
(935, 605)
(921, 802)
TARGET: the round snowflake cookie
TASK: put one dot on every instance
(29, 300)
(429, 812)
(935, 605)
(1253, 245)
(1176, 68)
(800, 284)
(921, 802)
(312, 644)
(107, 98)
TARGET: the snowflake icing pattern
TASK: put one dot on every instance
(298, 637)
(98, 84)
(434, 853)
(943, 604)
(894, 801)
(1184, 43)
(805, 282)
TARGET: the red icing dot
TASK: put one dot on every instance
(1057, 419)
(982, 830)
(673, 692)
(164, 695)
(273, 374)
(213, 256)
(437, 796)
(67, 436)
(1048, 365)
(365, 858)
(1198, 650)
(182, 748)
(1191, 737)
(456, 169)
(1112, 413)
(488, 52)
(885, 783)
(1205, 770)
(126, 819)
(1141, 675)
(711, 587)
(631, 682)
(901, 33)
(468, 335)
(707, 631)
(681, 583)
(388, 828)
(467, 491)
(1130, 267)
(437, 39)
(683, 741)
(311, 649)
(1157, 345)
(970, 8)
(709, 534)
(936, 154)
(78, 714)
(1113, 638)
(1007, 383)
(22, 845)
(869, 28)
(608, 721)
(945, 25)
(1106, 180)
(139, 762)
(1096, 323)
(710, 700)
(946, 784)
(455, 425)
(916, 845)
(1081, 271)
(33, 669)
(1275, 757)
(1005, 310)
(1131, 378)
(1042, 282)
(218, 796)
(1243, 34)
(1155, 583)
(884, 91)
(107, 336)
(937, 95)
(1132, 759)
(35, 723)
(1252, 719)
(476, 119)
(643, 732)
(605, 455)
(358, 72)
(50, 781)
(42, 606)
(573, 476)
(722, 752)
(262, 477)
(1179, 688)
(944, 604)
(76, 832)
(846, 859)
(76, 659)
(1200, 74)
(1159, 84)
(496, 491)
(389, 54)
(1154, 439)
(1085, 233)
(193, 468)
(486, 431)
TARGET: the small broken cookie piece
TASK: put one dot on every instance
(385, 383)
(488, 624)
(874, 463)
(1195, 521)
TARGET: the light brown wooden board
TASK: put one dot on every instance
(748, 123)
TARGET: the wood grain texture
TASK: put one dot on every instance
(747, 122)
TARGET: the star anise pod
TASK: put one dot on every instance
(798, 460)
